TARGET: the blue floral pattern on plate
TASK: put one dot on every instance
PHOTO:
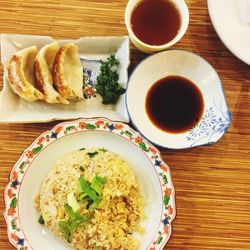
(91, 69)
(212, 125)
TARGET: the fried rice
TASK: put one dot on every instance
(117, 216)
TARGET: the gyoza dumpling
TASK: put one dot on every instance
(44, 63)
(21, 74)
(67, 72)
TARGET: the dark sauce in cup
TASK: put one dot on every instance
(174, 104)
(155, 22)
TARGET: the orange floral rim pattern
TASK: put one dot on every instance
(11, 194)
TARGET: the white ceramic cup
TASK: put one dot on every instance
(184, 13)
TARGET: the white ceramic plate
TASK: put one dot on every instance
(34, 164)
(91, 50)
(216, 117)
(231, 20)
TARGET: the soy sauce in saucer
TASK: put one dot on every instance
(155, 22)
(174, 104)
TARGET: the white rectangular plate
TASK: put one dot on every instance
(14, 109)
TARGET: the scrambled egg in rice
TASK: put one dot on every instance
(91, 199)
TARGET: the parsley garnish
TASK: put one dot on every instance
(107, 81)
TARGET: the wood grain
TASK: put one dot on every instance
(212, 183)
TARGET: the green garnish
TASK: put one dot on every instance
(107, 81)
(81, 168)
(103, 150)
(75, 220)
(91, 192)
(97, 183)
(72, 202)
(93, 154)
(85, 188)
(82, 149)
(69, 211)
(66, 228)
(41, 220)
(82, 196)
(103, 180)
(97, 248)
(91, 205)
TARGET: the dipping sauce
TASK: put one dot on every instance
(155, 22)
(174, 104)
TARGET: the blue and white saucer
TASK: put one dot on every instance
(216, 117)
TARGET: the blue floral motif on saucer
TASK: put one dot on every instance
(211, 127)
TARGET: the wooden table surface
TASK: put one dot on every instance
(212, 182)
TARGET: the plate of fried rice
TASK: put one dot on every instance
(90, 184)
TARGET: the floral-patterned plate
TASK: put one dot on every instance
(25, 232)
(216, 117)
